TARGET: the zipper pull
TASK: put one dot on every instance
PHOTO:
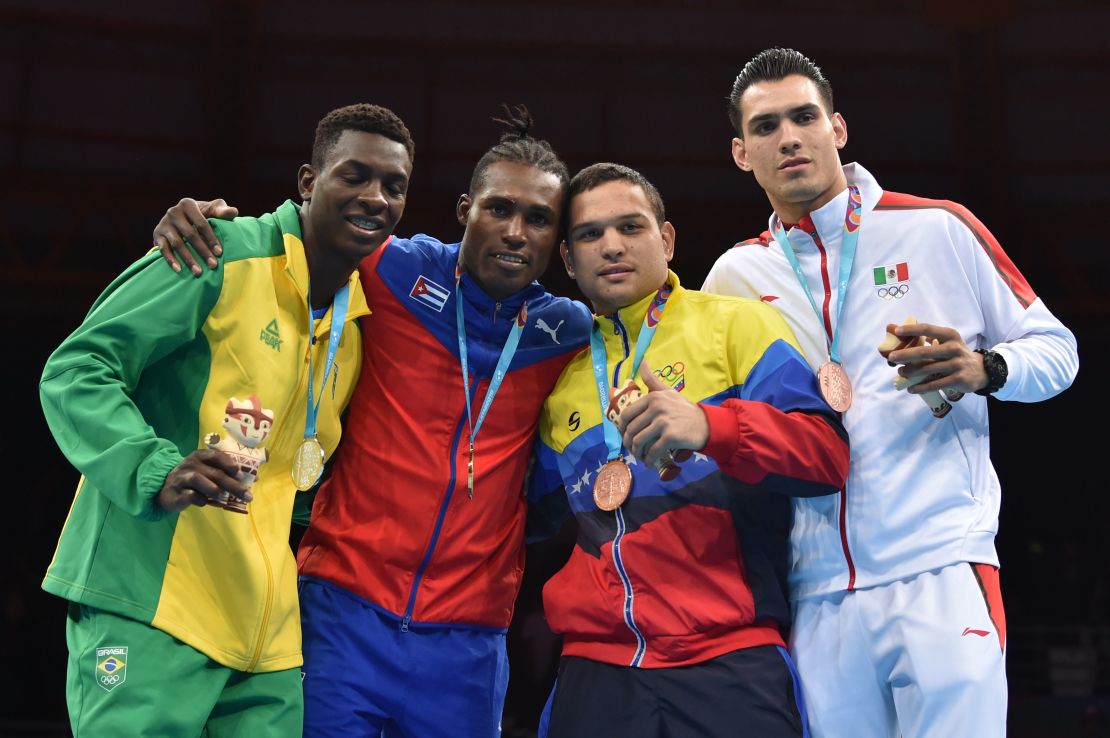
(496, 310)
(470, 473)
(405, 623)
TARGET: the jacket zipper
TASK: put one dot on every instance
(618, 559)
(447, 495)
(269, 597)
(268, 607)
(843, 513)
(406, 618)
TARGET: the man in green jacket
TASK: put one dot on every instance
(186, 403)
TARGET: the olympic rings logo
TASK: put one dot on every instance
(671, 372)
(896, 292)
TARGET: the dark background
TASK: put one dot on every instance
(110, 112)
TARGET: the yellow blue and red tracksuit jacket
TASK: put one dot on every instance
(136, 388)
(393, 523)
(690, 569)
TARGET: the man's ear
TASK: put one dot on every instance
(306, 181)
(568, 258)
(840, 130)
(462, 208)
(740, 154)
(668, 232)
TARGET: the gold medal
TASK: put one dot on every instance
(613, 483)
(308, 464)
(836, 388)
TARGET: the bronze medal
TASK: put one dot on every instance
(613, 483)
(836, 388)
(308, 464)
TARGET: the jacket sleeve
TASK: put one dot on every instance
(548, 508)
(144, 315)
(1040, 352)
(779, 432)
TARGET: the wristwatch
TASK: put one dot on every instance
(996, 369)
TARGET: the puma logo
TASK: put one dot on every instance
(549, 330)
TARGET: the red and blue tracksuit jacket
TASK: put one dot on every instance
(393, 523)
(694, 568)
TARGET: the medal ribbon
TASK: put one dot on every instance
(600, 363)
(506, 358)
(338, 318)
(847, 258)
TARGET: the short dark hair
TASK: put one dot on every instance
(360, 117)
(596, 175)
(517, 145)
(771, 65)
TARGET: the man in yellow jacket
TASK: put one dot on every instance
(186, 403)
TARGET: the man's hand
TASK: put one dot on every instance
(661, 421)
(199, 479)
(946, 364)
(185, 225)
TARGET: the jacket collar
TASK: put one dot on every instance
(288, 217)
(828, 220)
(631, 317)
(477, 302)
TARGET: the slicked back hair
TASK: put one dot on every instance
(360, 117)
(596, 175)
(517, 145)
(772, 65)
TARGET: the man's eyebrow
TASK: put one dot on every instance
(541, 208)
(806, 108)
(505, 199)
(603, 224)
(364, 168)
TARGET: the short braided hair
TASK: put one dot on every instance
(517, 145)
(360, 117)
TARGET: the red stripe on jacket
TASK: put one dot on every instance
(1006, 269)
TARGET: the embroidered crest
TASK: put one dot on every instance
(111, 666)
(892, 280)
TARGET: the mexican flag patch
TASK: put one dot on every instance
(892, 273)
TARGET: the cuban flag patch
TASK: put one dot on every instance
(428, 292)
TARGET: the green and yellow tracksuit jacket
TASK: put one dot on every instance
(137, 387)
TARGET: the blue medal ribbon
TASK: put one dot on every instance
(600, 363)
(338, 318)
(506, 358)
(848, 245)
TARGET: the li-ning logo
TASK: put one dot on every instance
(973, 631)
(892, 281)
(674, 375)
(269, 335)
(111, 666)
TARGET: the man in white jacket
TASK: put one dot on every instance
(898, 622)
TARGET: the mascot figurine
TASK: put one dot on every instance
(247, 424)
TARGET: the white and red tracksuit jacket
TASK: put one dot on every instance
(921, 492)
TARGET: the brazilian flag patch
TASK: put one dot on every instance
(111, 666)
